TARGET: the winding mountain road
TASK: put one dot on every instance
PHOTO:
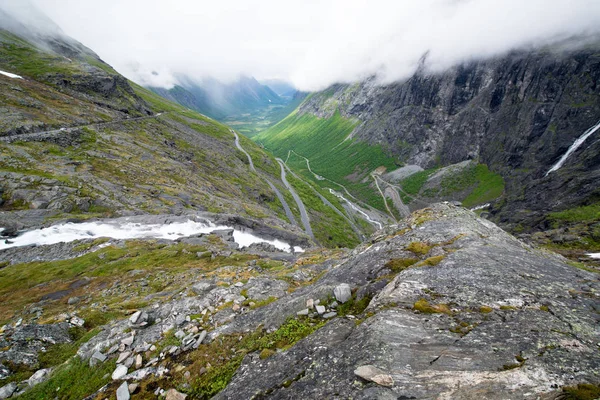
(286, 207)
(329, 204)
(354, 206)
(57, 132)
(383, 197)
(297, 199)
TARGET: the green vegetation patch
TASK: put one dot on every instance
(490, 186)
(74, 380)
(325, 142)
(420, 248)
(476, 181)
(423, 306)
(329, 227)
(583, 391)
(23, 58)
(224, 363)
(413, 184)
(397, 265)
(590, 213)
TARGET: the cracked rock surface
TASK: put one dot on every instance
(493, 318)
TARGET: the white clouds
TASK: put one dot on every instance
(314, 43)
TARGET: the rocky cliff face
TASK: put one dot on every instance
(518, 113)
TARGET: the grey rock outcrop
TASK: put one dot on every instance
(342, 292)
(7, 391)
(486, 316)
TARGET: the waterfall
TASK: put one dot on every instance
(574, 147)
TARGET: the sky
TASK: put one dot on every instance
(312, 43)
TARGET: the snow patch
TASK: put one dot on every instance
(69, 232)
(594, 255)
(10, 75)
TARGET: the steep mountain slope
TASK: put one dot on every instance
(78, 140)
(170, 296)
(517, 114)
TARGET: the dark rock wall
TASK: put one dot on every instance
(518, 113)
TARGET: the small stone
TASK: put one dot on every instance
(132, 387)
(329, 315)
(180, 334)
(129, 362)
(96, 358)
(194, 329)
(180, 320)
(128, 341)
(113, 349)
(123, 392)
(119, 372)
(374, 374)
(320, 309)
(202, 288)
(123, 356)
(135, 317)
(7, 390)
(173, 394)
(342, 292)
(152, 362)
(302, 312)
(77, 321)
(201, 337)
(73, 300)
(187, 375)
(310, 303)
(138, 361)
(39, 377)
(236, 307)
(138, 318)
(334, 304)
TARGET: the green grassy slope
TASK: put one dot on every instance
(331, 153)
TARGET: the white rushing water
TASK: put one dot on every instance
(594, 255)
(10, 75)
(90, 230)
(355, 208)
(574, 147)
(480, 207)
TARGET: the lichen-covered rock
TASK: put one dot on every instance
(492, 318)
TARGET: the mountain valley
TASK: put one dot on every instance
(433, 238)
